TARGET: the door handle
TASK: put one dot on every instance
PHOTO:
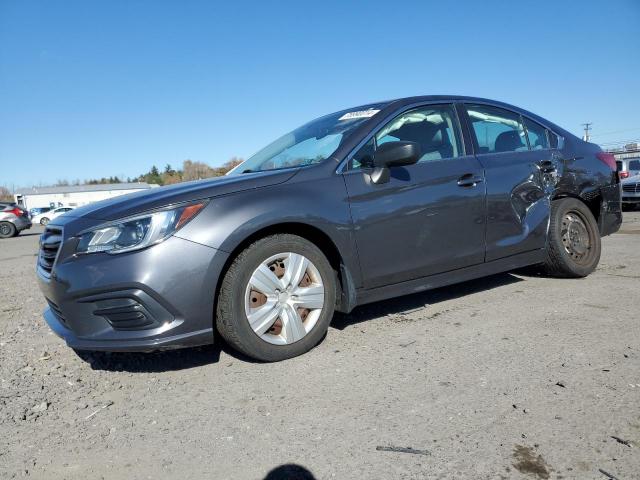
(547, 166)
(469, 180)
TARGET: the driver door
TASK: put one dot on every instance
(429, 217)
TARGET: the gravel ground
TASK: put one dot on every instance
(512, 376)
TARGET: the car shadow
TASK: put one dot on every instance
(406, 303)
(30, 234)
(160, 361)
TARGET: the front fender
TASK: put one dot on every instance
(317, 201)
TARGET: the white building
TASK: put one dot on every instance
(74, 195)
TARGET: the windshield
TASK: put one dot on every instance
(311, 143)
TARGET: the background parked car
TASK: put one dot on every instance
(628, 167)
(38, 210)
(46, 217)
(13, 219)
(631, 190)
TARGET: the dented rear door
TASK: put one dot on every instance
(519, 180)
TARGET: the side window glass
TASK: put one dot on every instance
(434, 128)
(537, 135)
(364, 157)
(497, 130)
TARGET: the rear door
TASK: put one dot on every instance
(520, 171)
(429, 218)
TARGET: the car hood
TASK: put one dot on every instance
(141, 201)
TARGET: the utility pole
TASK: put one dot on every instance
(587, 128)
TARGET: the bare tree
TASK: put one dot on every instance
(5, 194)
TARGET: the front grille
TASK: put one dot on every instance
(57, 312)
(50, 242)
(631, 187)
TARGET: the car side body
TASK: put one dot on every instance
(38, 210)
(427, 225)
(45, 217)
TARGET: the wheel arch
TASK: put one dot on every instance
(592, 199)
(345, 296)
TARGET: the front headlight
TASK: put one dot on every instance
(137, 232)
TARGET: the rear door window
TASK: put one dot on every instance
(537, 135)
(497, 130)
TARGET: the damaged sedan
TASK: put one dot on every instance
(358, 206)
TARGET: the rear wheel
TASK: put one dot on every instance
(7, 230)
(573, 249)
(277, 298)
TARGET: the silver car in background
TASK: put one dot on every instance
(631, 191)
(13, 219)
(628, 167)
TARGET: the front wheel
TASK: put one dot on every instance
(573, 249)
(44, 221)
(277, 298)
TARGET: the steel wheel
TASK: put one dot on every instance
(284, 298)
(575, 236)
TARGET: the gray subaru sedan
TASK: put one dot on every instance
(357, 206)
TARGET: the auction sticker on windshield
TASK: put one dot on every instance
(359, 114)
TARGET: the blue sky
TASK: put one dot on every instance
(98, 88)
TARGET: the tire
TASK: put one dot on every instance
(573, 249)
(8, 230)
(238, 295)
(44, 221)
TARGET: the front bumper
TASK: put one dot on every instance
(161, 297)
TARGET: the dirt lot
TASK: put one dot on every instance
(512, 376)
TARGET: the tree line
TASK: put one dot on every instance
(190, 171)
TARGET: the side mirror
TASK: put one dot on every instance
(393, 154)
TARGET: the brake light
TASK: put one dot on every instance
(623, 175)
(607, 159)
(16, 211)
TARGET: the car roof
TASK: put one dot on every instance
(405, 101)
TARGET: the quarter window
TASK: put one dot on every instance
(434, 128)
(497, 130)
(537, 135)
